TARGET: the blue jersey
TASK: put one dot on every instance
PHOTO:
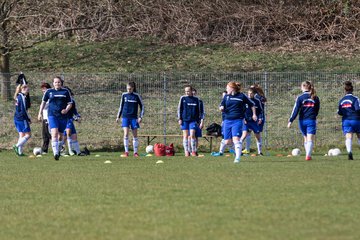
(202, 110)
(235, 106)
(73, 113)
(349, 107)
(21, 108)
(129, 106)
(258, 108)
(189, 109)
(306, 107)
(58, 100)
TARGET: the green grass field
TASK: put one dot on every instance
(183, 198)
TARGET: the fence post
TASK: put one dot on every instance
(265, 110)
(164, 97)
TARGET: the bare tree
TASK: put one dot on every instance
(24, 24)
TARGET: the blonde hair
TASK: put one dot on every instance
(235, 85)
(18, 89)
(309, 86)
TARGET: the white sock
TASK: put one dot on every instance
(126, 144)
(309, 147)
(222, 146)
(193, 145)
(70, 146)
(348, 144)
(248, 142)
(259, 145)
(135, 144)
(305, 147)
(238, 147)
(76, 146)
(21, 142)
(61, 144)
(55, 147)
(186, 144)
(20, 149)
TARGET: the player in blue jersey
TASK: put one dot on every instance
(233, 106)
(223, 142)
(129, 107)
(189, 116)
(250, 124)
(349, 109)
(59, 105)
(70, 134)
(198, 132)
(46, 136)
(259, 94)
(21, 118)
(307, 105)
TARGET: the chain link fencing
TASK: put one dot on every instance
(98, 98)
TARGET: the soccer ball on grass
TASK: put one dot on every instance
(295, 152)
(149, 149)
(37, 151)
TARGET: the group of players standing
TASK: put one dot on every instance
(241, 115)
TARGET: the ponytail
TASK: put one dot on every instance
(259, 91)
(235, 85)
(310, 87)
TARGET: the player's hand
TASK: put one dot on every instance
(64, 111)
(40, 118)
(221, 108)
(289, 125)
(201, 125)
(117, 120)
(139, 120)
(260, 121)
(180, 121)
(254, 117)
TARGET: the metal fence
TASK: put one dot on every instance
(98, 98)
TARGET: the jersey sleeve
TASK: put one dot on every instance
(121, 107)
(180, 109)
(295, 110)
(141, 104)
(202, 109)
(46, 96)
(317, 106)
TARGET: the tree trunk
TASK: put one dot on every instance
(5, 74)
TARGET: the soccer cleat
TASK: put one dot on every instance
(136, 155)
(350, 156)
(86, 151)
(216, 154)
(260, 154)
(308, 158)
(187, 154)
(237, 160)
(16, 150)
(81, 154)
(193, 154)
(245, 151)
(56, 157)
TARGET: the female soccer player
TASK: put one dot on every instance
(259, 94)
(189, 116)
(21, 118)
(349, 109)
(59, 105)
(130, 101)
(46, 136)
(307, 105)
(250, 124)
(70, 133)
(198, 131)
(233, 106)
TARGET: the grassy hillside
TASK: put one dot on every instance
(150, 56)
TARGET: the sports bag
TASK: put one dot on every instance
(159, 149)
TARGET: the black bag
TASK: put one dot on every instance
(214, 129)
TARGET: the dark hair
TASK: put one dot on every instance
(348, 87)
(259, 91)
(133, 85)
(45, 85)
(310, 86)
(189, 86)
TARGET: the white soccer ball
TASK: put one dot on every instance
(37, 151)
(149, 149)
(336, 152)
(295, 152)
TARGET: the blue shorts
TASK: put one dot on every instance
(189, 125)
(22, 126)
(307, 126)
(251, 125)
(60, 124)
(351, 126)
(232, 128)
(70, 125)
(130, 123)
